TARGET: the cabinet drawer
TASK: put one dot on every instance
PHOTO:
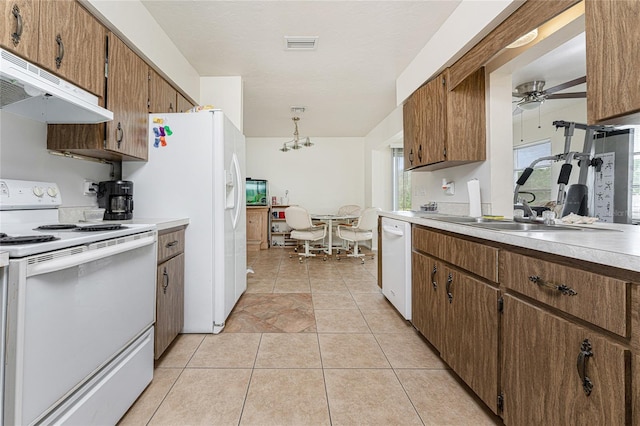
(598, 299)
(483, 261)
(170, 244)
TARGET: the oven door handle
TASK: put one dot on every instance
(87, 256)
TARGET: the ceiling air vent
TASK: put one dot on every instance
(300, 43)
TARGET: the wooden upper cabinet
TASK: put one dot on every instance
(19, 32)
(72, 44)
(466, 120)
(444, 128)
(434, 134)
(127, 93)
(613, 60)
(183, 104)
(124, 138)
(162, 97)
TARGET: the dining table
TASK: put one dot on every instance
(330, 220)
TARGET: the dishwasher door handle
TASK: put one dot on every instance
(392, 230)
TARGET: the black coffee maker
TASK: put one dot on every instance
(116, 197)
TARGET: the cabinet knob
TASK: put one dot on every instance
(119, 134)
(449, 282)
(433, 277)
(15, 36)
(165, 280)
(562, 288)
(60, 51)
(585, 353)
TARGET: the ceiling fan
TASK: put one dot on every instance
(532, 94)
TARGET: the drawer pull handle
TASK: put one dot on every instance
(411, 156)
(119, 134)
(433, 277)
(171, 244)
(420, 153)
(15, 37)
(165, 279)
(449, 282)
(585, 353)
(60, 51)
(562, 288)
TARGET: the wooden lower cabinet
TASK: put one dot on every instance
(527, 334)
(257, 228)
(542, 370)
(169, 303)
(428, 297)
(458, 314)
(169, 289)
(470, 344)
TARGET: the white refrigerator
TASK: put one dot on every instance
(196, 169)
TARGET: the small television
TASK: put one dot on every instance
(257, 192)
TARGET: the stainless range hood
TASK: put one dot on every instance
(30, 91)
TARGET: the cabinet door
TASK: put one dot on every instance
(183, 104)
(543, 362)
(427, 297)
(20, 27)
(435, 122)
(256, 227)
(466, 120)
(613, 59)
(169, 303)
(72, 44)
(127, 97)
(162, 97)
(470, 345)
(410, 122)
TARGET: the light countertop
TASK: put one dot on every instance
(614, 245)
(161, 223)
(4, 258)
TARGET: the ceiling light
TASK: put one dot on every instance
(529, 104)
(525, 39)
(300, 42)
(295, 142)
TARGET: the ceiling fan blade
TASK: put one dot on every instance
(568, 95)
(566, 85)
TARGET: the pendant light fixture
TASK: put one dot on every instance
(296, 143)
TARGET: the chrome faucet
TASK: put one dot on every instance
(528, 212)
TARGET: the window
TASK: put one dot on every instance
(401, 181)
(538, 186)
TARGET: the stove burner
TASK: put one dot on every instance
(58, 226)
(102, 227)
(2, 235)
(27, 239)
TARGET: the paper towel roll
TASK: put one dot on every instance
(475, 209)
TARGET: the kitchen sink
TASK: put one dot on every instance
(525, 227)
(466, 219)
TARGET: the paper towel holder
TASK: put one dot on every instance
(448, 187)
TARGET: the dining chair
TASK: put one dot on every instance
(361, 231)
(299, 220)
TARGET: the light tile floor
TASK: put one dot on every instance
(308, 344)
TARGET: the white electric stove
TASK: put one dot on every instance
(80, 311)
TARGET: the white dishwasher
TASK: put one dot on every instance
(396, 264)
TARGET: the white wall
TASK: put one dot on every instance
(320, 178)
(24, 156)
(224, 93)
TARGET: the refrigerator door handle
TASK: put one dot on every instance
(239, 190)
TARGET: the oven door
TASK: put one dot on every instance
(70, 313)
